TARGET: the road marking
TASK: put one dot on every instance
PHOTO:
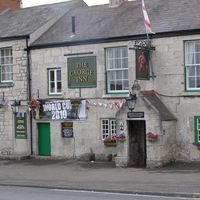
(122, 194)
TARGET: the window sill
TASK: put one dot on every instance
(191, 94)
(196, 143)
(5, 85)
(115, 95)
(55, 95)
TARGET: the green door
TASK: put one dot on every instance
(44, 141)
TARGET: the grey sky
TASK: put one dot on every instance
(28, 3)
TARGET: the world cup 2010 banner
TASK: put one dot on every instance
(61, 110)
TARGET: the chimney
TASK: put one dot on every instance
(116, 3)
(12, 4)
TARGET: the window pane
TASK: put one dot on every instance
(198, 82)
(197, 47)
(119, 75)
(59, 87)
(52, 76)
(124, 52)
(189, 53)
(117, 63)
(125, 85)
(112, 85)
(118, 85)
(52, 87)
(58, 75)
(125, 76)
(197, 58)
(191, 71)
(198, 70)
(125, 63)
(112, 76)
(191, 82)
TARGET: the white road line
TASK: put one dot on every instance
(122, 194)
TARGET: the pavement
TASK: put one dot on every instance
(180, 179)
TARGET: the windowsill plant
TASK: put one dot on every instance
(120, 137)
(110, 141)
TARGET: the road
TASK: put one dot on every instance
(24, 193)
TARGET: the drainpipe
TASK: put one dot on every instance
(29, 87)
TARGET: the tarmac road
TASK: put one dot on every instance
(24, 193)
(179, 180)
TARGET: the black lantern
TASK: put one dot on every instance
(131, 101)
(15, 105)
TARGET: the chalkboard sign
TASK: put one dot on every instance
(67, 129)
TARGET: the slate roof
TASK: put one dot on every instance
(151, 98)
(127, 20)
(27, 20)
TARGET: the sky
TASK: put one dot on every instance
(28, 3)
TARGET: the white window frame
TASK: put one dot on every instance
(55, 81)
(111, 128)
(197, 129)
(191, 53)
(111, 62)
(8, 64)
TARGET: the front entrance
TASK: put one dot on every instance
(137, 143)
(44, 141)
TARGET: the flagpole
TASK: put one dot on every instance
(148, 29)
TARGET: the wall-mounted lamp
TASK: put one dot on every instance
(15, 105)
(131, 100)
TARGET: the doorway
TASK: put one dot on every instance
(137, 143)
(44, 140)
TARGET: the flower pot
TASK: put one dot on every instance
(121, 139)
(109, 144)
(152, 139)
(37, 113)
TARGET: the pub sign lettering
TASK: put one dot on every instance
(21, 125)
(82, 72)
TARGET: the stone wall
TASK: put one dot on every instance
(14, 91)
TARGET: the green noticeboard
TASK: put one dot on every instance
(82, 72)
(21, 125)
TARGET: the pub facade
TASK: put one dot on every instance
(102, 93)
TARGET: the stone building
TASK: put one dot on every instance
(19, 28)
(84, 67)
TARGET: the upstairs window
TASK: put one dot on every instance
(192, 65)
(6, 65)
(117, 69)
(55, 83)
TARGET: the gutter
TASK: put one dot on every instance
(16, 37)
(116, 39)
(29, 87)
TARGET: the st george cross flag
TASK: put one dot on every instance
(147, 22)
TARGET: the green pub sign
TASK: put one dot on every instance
(21, 125)
(82, 72)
